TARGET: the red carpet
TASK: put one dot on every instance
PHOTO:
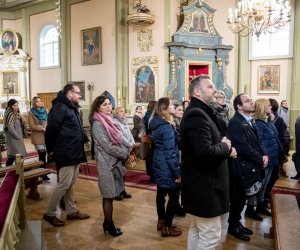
(28, 156)
(133, 178)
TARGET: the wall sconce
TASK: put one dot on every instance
(90, 86)
(219, 62)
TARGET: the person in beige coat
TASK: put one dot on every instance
(15, 131)
(37, 121)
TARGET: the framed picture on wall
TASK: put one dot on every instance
(81, 86)
(9, 41)
(91, 46)
(10, 83)
(268, 79)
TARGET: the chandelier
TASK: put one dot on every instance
(259, 16)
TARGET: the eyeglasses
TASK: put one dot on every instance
(220, 97)
(78, 93)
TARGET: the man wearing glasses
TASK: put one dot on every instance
(65, 140)
(244, 138)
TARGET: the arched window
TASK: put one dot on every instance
(49, 47)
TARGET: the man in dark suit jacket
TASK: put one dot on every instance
(205, 187)
(245, 139)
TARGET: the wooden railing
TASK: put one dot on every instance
(14, 217)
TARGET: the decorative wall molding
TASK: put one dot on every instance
(145, 60)
(145, 40)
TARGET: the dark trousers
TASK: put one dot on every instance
(10, 160)
(166, 214)
(237, 197)
(149, 167)
(274, 177)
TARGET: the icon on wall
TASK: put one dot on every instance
(9, 41)
(91, 46)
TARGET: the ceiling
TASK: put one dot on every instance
(6, 5)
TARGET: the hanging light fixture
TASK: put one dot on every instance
(58, 17)
(259, 16)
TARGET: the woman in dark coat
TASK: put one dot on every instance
(165, 165)
(15, 131)
(269, 137)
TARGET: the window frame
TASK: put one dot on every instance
(43, 32)
(291, 42)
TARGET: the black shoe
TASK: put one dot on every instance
(264, 211)
(238, 233)
(62, 204)
(45, 178)
(108, 226)
(119, 198)
(296, 177)
(125, 195)
(253, 215)
(245, 230)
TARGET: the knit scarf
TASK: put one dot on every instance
(10, 117)
(40, 114)
(110, 126)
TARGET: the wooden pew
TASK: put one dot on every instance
(15, 219)
(286, 221)
(32, 175)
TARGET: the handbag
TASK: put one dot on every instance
(131, 160)
(146, 148)
(118, 171)
(251, 177)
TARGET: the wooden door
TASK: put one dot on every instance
(47, 99)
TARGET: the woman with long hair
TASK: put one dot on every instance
(15, 131)
(165, 165)
(269, 137)
(37, 121)
(111, 149)
(120, 119)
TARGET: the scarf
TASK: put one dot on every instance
(110, 126)
(40, 114)
(10, 117)
(139, 114)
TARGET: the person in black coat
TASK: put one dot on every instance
(250, 151)
(65, 138)
(296, 155)
(205, 184)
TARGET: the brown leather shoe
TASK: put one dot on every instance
(77, 216)
(53, 220)
(160, 223)
(174, 232)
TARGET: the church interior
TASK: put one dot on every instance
(139, 51)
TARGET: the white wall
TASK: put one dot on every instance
(46, 80)
(87, 15)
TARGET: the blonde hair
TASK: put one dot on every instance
(34, 100)
(117, 110)
(260, 106)
(161, 110)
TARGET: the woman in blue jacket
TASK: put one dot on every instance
(165, 165)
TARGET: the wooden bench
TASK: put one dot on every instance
(15, 219)
(286, 221)
(32, 175)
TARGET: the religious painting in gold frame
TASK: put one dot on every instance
(9, 41)
(268, 79)
(10, 83)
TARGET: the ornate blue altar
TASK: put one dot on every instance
(197, 49)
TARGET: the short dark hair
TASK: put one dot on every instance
(237, 101)
(196, 82)
(68, 87)
(274, 104)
